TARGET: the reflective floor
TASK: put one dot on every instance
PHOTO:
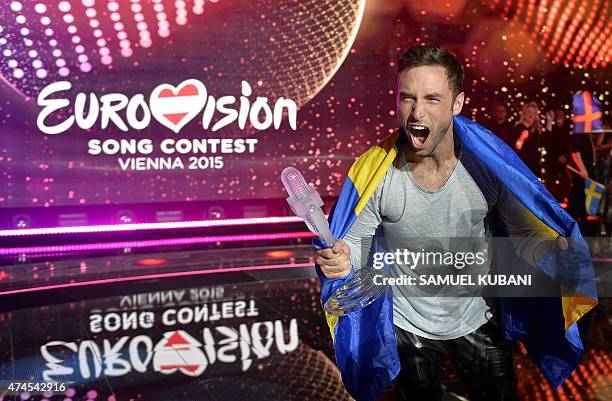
(230, 319)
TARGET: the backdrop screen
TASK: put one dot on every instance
(110, 102)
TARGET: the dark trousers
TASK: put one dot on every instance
(483, 360)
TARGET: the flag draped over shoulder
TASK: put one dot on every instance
(364, 341)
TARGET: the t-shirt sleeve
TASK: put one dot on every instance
(359, 237)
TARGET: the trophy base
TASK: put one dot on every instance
(358, 292)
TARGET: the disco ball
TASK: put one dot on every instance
(283, 48)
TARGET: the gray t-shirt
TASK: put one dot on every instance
(416, 219)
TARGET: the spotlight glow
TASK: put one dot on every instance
(573, 32)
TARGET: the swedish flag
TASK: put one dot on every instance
(364, 341)
(594, 192)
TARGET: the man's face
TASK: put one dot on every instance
(425, 107)
(529, 115)
(500, 113)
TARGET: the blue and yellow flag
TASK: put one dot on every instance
(364, 340)
(594, 192)
(587, 113)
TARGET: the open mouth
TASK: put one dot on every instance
(419, 134)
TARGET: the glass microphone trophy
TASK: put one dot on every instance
(359, 291)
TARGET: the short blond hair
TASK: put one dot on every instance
(526, 106)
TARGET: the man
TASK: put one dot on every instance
(499, 124)
(575, 150)
(603, 147)
(559, 153)
(428, 195)
(583, 158)
(526, 137)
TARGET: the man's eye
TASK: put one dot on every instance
(407, 99)
(433, 100)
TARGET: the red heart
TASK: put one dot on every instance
(175, 106)
(188, 90)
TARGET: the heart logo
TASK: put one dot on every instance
(174, 107)
(179, 351)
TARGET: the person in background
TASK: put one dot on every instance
(583, 160)
(559, 152)
(526, 137)
(499, 123)
(603, 174)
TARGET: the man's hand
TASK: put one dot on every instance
(335, 262)
(545, 246)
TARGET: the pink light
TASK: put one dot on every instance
(198, 7)
(150, 226)
(85, 67)
(181, 12)
(113, 7)
(159, 275)
(162, 18)
(141, 25)
(16, 6)
(64, 6)
(152, 243)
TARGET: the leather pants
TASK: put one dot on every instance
(482, 358)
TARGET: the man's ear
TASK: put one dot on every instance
(458, 104)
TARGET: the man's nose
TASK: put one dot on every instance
(417, 110)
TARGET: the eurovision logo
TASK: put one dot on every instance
(191, 343)
(177, 352)
(172, 106)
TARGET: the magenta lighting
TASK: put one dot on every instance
(46, 40)
(149, 226)
(152, 243)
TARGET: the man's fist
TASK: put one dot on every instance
(545, 246)
(335, 262)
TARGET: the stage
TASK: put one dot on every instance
(148, 250)
(206, 317)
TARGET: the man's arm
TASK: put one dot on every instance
(354, 247)
(531, 238)
(577, 157)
